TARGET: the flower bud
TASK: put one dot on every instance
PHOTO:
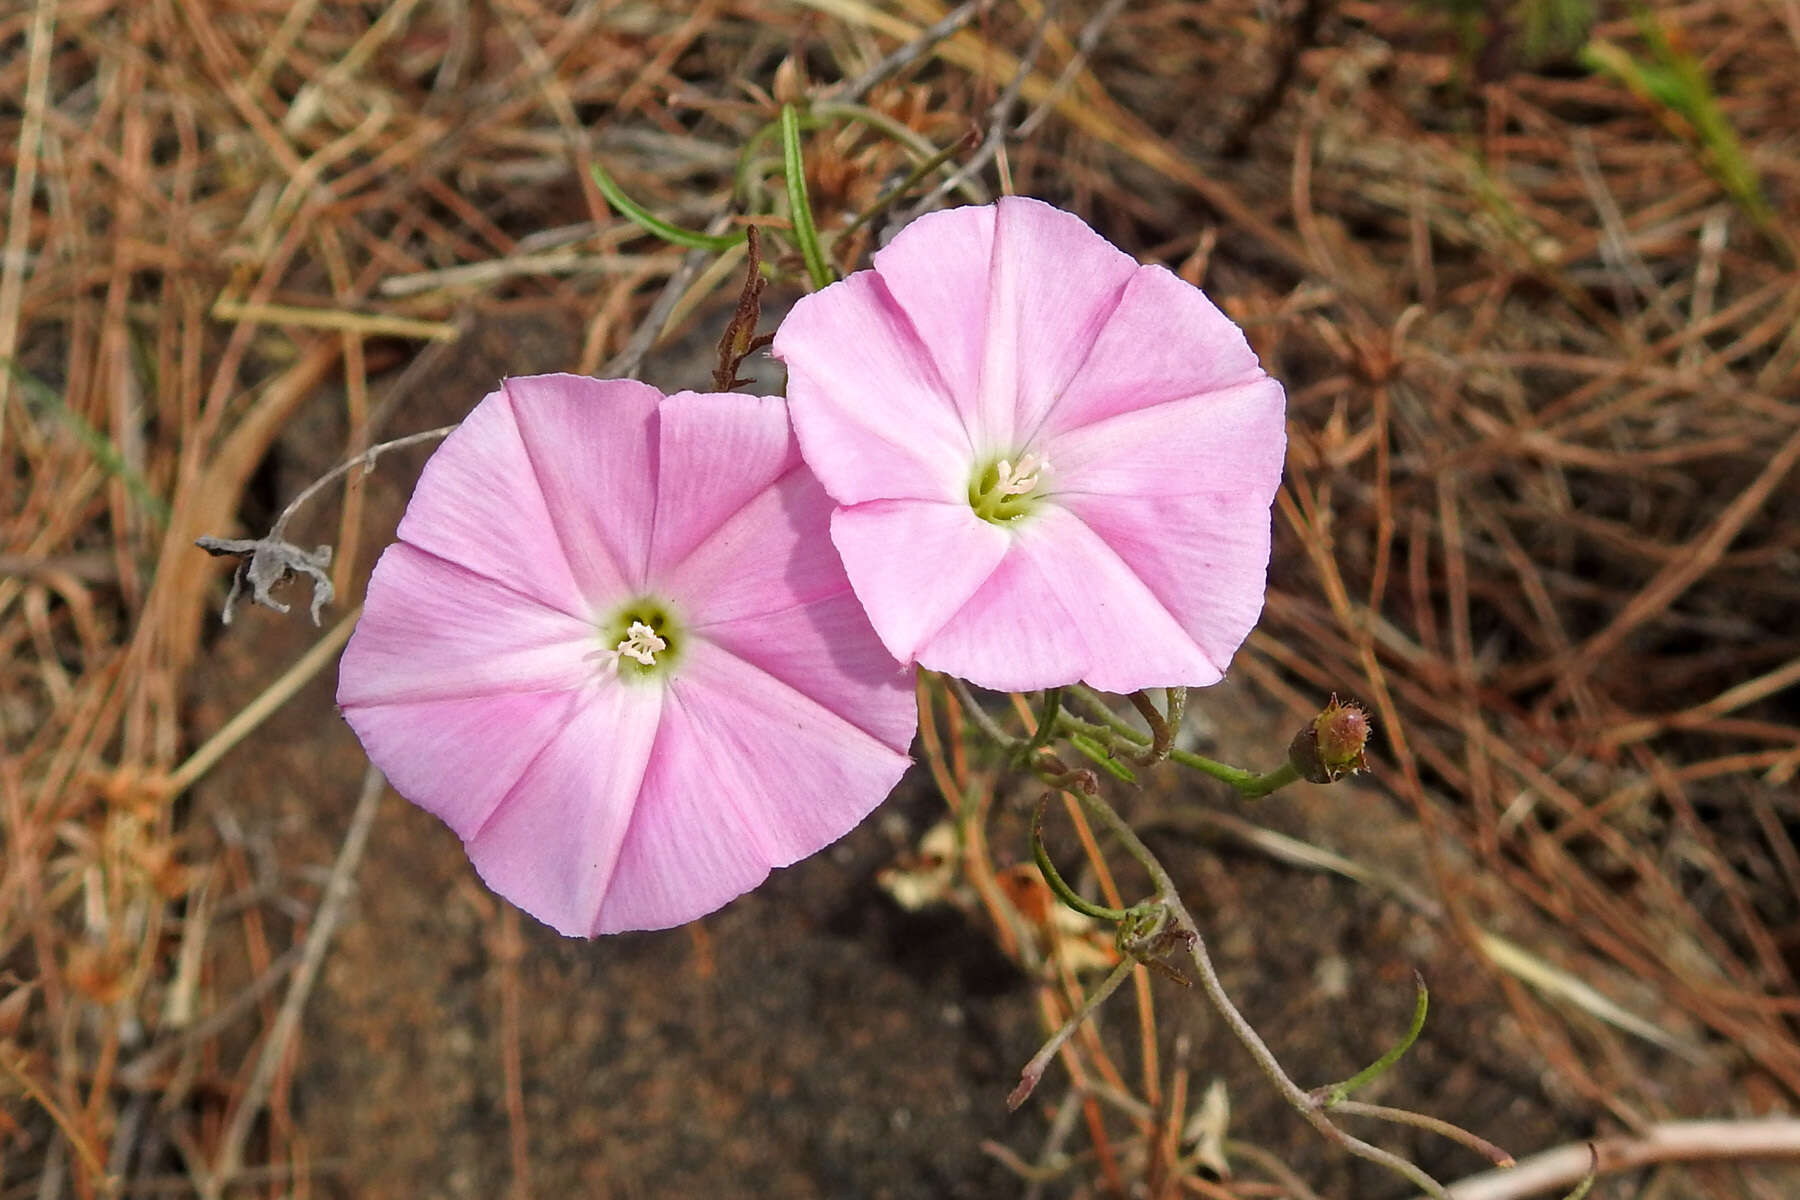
(1332, 744)
(791, 83)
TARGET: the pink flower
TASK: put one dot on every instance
(1051, 463)
(614, 651)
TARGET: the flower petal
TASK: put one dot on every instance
(914, 564)
(748, 774)
(774, 553)
(825, 651)
(551, 845)
(715, 453)
(478, 505)
(1228, 442)
(591, 444)
(1180, 491)
(458, 758)
(1205, 557)
(1062, 607)
(872, 415)
(1165, 341)
(1055, 283)
(432, 630)
(1008, 299)
(936, 270)
(769, 587)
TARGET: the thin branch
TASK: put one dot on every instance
(1674, 1141)
(1084, 47)
(906, 55)
(267, 560)
(999, 116)
(1034, 1070)
(1443, 1128)
(1246, 1034)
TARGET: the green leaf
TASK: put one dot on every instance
(806, 233)
(650, 223)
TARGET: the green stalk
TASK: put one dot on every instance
(649, 222)
(806, 234)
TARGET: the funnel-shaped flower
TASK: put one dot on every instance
(1051, 463)
(614, 651)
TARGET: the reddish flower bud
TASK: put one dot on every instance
(1332, 744)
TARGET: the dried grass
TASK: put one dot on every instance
(1541, 509)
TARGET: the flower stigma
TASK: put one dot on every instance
(640, 640)
(642, 643)
(1007, 489)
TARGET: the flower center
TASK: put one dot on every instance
(640, 640)
(1007, 489)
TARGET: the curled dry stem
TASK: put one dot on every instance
(1163, 725)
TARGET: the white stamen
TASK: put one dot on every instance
(1022, 479)
(641, 643)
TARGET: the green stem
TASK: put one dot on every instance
(1337, 1093)
(1259, 786)
(1248, 783)
(806, 233)
(887, 198)
(983, 721)
(1098, 753)
(1058, 885)
(747, 166)
(644, 219)
(1046, 727)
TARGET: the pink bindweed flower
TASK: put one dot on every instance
(1051, 463)
(614, 651)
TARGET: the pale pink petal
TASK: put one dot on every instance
(457, 758)
(1063, 606)
(1165, 341)
(551, 844)
(1008, 299)
(591, 444)
(747, 774)
(716, 452)
(1180, 493)
(1205, 556)
(773, 554)
(769, 587)
(871, 413)
(478, 505)
(1055, 283)
(1228, 442)
(431, 630)
(937, 270)
(826, 651)
(914, 564)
